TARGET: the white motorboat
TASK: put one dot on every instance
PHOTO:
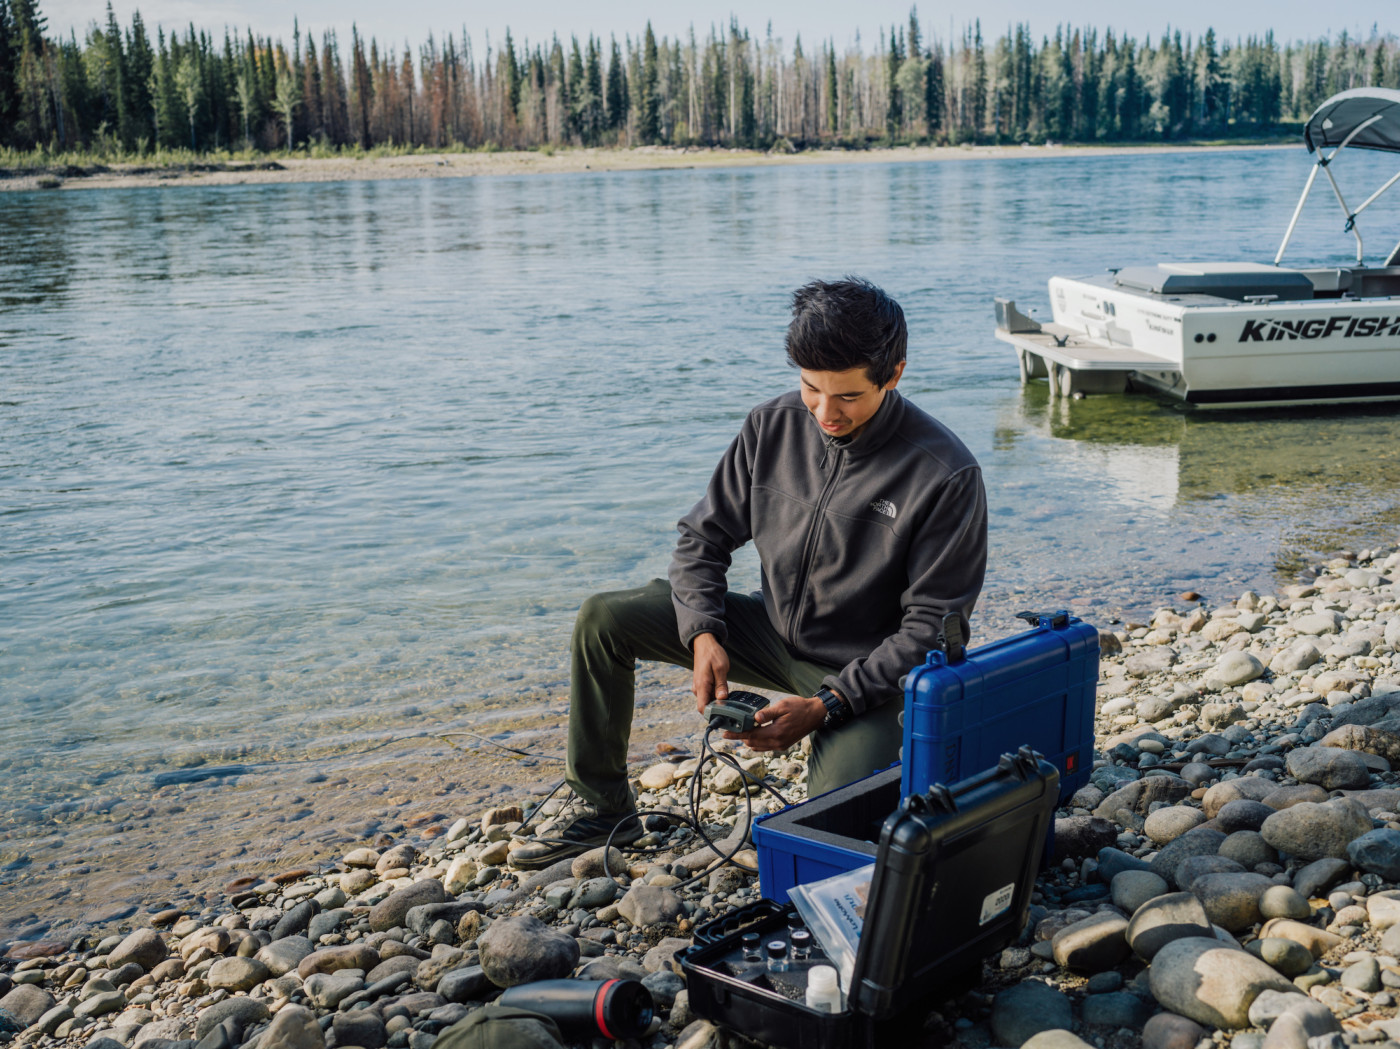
(1236, 334)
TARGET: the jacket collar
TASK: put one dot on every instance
(880, 428)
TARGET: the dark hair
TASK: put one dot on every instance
(844, 324)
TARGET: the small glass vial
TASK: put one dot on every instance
(777, 952)
(751, 944)
(801, 952)
(823, 989)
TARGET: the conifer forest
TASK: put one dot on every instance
(119, 89)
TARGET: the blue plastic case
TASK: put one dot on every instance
(962, 711)
(1033, 689)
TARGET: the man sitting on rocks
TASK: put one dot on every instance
(870, 522)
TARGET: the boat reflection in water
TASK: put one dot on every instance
(1284, 484)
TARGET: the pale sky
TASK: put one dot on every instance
(398, 21)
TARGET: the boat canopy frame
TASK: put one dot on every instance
(1362, 118)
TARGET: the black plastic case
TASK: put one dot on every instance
(954, 871)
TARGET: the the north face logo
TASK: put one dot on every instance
(884, 506)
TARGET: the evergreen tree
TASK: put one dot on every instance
(934, 94)
(139, 111)
(832, 108)
(578, 91)
(9, 88)
(617, 89)
(648, 122)
(593, 117)
(979, 82)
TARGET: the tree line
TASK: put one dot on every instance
(118, 90)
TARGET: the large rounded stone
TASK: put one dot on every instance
(645, 905)
(1294, 794)
(1025, 1009)
(1118, 1009)
(1331, 768)
(1131, 889)
(1248, 848)
(1287, 956)
(294, 1027)
(1211, 983)
(1231, 900)
(1319, 941)
(1169, 823)
(1247, 788)
(393, 910)
(1080, 836)
(1160, 921)
(1377, 852)
(1284, 901)
(1193, 867)
(241, 1009)
(522, 949)
(1056, 1039)
(1140, 795)
(26, 1003)
(1203, 841)
(1320, 875)
(144, 947)
(1242, 814)
(1234, 669)
(1365, 738)
(296, 920)
(1311, 831)
(1092, 945)
(236, 974)
(1170, 1031)
(284, 955)
(329, 959)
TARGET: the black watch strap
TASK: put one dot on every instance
(838, 711)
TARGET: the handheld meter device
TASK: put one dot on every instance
(735, 713)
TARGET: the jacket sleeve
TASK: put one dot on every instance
(946, 564)
(715, 527)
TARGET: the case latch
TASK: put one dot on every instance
(1051, 620)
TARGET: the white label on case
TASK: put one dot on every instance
(997, 903)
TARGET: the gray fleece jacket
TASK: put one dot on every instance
(865, 544)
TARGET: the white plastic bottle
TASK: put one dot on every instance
(823, 990)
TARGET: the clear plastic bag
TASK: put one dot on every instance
(834, 909)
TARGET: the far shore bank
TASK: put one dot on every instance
(274, 169)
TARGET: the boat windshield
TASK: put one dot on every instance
(1363, 118)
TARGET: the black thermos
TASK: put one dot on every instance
(613, 1008)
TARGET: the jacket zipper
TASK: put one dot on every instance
(804, 567)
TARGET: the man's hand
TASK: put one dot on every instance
(784, 723)
(711, 679)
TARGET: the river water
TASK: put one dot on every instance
(298, 480)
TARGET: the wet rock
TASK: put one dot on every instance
(522, 949)
(1209, 982)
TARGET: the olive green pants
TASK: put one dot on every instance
(614, 630)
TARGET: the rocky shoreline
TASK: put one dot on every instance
(1230, 875)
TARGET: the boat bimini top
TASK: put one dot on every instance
(1363, 118)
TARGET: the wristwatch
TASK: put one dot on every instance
(838, 711)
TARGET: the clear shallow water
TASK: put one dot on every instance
(290, 472)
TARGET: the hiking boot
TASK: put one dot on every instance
(573, 834)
